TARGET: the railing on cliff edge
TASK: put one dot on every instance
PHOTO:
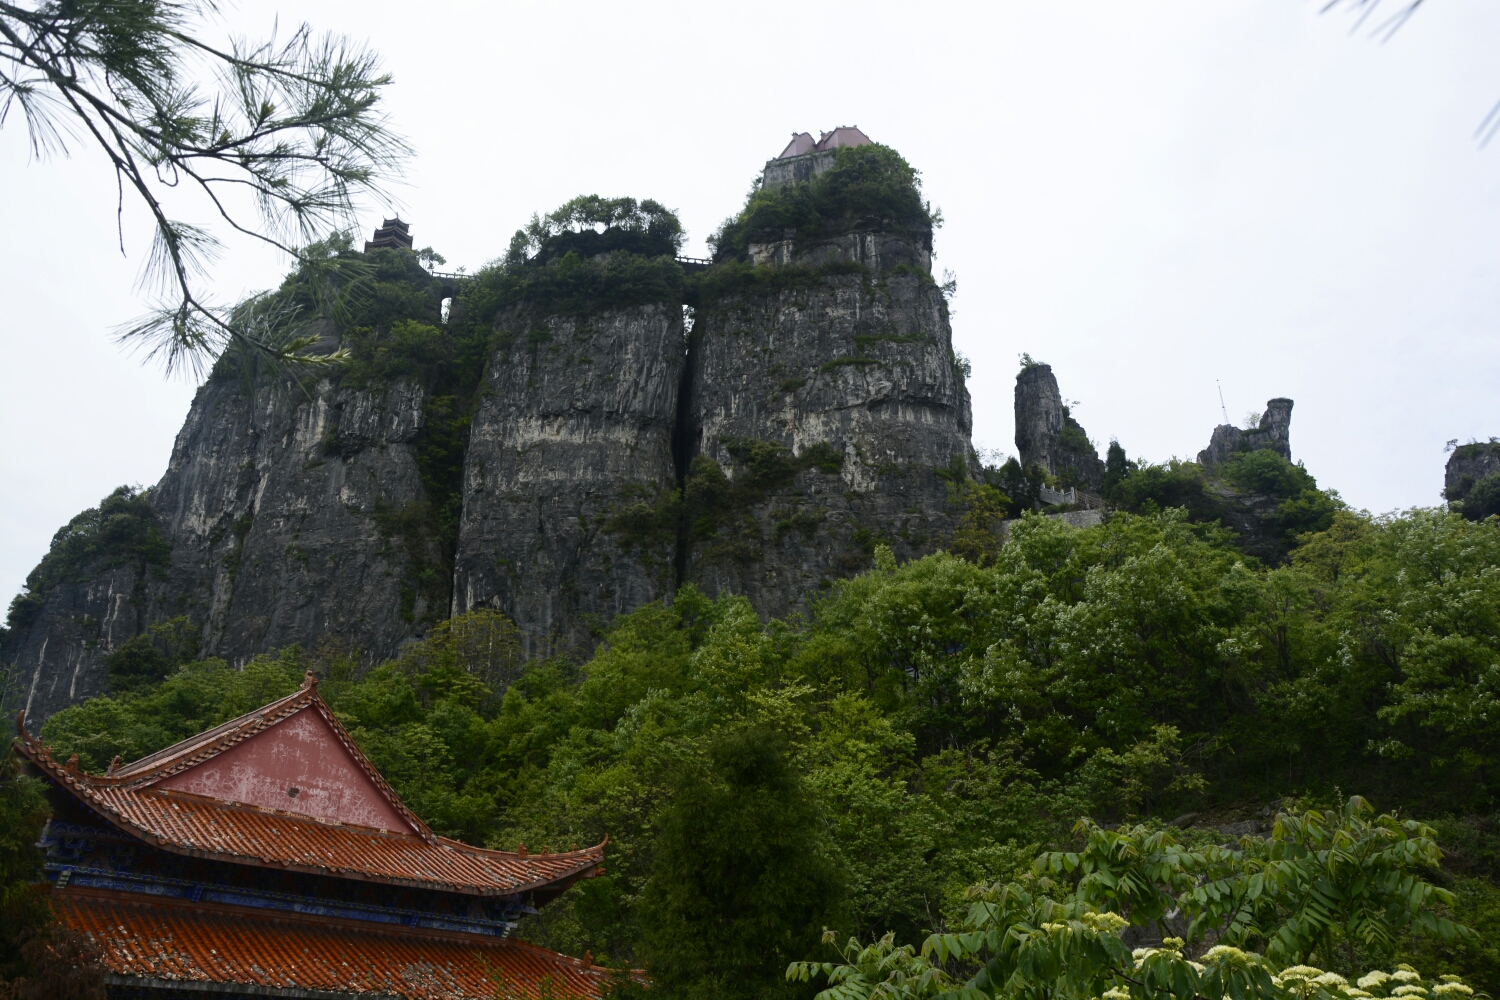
(1072, 496)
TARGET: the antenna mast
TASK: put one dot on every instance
(1222, 407)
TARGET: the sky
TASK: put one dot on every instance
(1160, 199)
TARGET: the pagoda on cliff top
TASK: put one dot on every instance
(268, 858)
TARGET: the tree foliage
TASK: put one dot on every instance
(292, 126)
(868, 187)
(1060, 934)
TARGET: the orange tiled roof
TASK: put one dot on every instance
(205, 827)
(193, 942)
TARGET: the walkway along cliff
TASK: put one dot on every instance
(578, 429)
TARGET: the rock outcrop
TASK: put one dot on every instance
(1476, 464)
(286, 522)
(1047, 436)
(1272, 432)
(824, 416)
(574, 430)
(549, 441)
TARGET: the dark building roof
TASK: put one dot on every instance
(392, 233)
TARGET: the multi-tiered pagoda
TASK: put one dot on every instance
(268, 858)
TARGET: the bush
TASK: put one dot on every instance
(591, 226)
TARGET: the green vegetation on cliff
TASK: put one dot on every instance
(934, 726)
(121, 531)
(870, 188)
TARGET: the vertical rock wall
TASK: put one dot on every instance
(291, 520)
(1046, 434)
(822, 417)
(574, 432)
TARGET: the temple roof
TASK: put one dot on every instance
(285, 786)
(801, 143)
(844, 135)
(149, 942)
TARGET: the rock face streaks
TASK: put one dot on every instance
(829, 408)
(283, 515)
(574, 431)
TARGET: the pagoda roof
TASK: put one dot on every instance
(286, 787)
(178, 944)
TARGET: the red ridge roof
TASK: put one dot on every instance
(202, 826)
(185, 943)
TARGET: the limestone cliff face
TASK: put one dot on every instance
(574, 432)
(284, 516)
(561, 464)
(57, 660)
(1047, 436)
(829, 410)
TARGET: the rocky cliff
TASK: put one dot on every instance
(824, 416)
(1047, 436)
(1272, 432)
(545, 439)
(1471, 481)
(284, 518)
(574, 427)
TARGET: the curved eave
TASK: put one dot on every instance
(590, 860)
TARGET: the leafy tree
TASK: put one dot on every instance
(23, 906)
(977, 536)
(1302, 506)
(147, 658)
(1018, 941)
(590, 225)
(1158, 487)
(295, 124)
(1325, 886)
(1116, 467)
(1483, 498)
(740, 883)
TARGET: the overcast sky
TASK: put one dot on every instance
(1152, 197)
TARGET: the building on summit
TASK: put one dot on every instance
(267, 857)
(803, 159)
(392, 233)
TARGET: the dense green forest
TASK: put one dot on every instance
(932, 726)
